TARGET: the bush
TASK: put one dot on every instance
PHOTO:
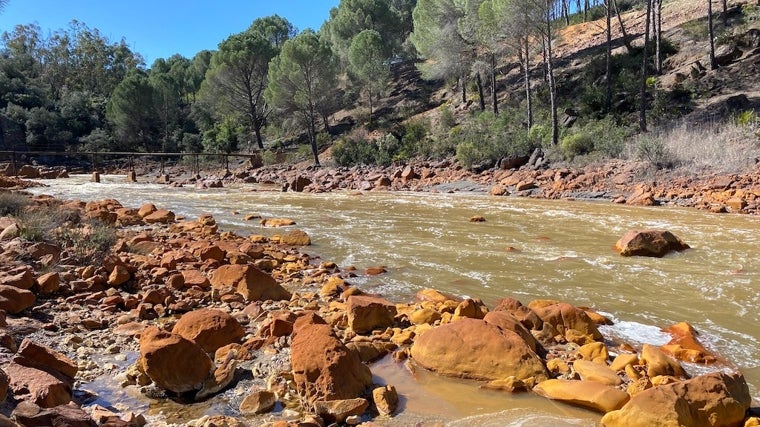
(446, 121)
(415, 137)
(653, 150)
(88, 243)
(353, 150)
(747, 118)
(484, 139)
(268, 157)
(12, 204)
(43, 223)
(602, 136)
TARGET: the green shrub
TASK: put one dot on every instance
(653, 150)
(747, 118)
(603, 136)
(352, 150)
(416, 135)
(446, 119)
(268, 157)
(576, 144)
(12, 203)
(483, 139)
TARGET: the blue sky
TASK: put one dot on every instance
(161, 28)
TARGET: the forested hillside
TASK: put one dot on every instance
(390, 80)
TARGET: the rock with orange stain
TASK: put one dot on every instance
(685, 345)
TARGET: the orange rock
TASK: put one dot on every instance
(277, 222)
(195, 277)
(588, 394)
(473, 348)
(14, 300)
(250, 282)
(366, 313)
(323, 368)
(209, 328)
(161, 216)
(159, 359)
(716, 399)
(658, 363)
(49, 282)
(296, 238)
(685, 346)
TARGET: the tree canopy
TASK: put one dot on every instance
(302, 81)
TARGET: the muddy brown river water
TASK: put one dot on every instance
(527, 249)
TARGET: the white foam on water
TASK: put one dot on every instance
(636, 333)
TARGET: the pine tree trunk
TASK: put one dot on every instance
(481, 97)
(550, 75)
(725, 15)
(370, 105)
(566, 12)
(326, 122)
(259, 139)
(585, 10)
(626, 40)
(713, 64)
(528, 92)
(608, 71)
(464, 90)
(643, 83)
(658, 35)
(313, 133)
(494, 99)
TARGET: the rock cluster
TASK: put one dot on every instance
(614, 180)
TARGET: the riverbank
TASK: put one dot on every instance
(618, 181)
(153, 277)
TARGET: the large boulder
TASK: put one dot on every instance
(29, 414)
(324, 368)
(161, 216)
(588, 394)
(473, 348)
(296, 238)
(22, 278)
(35, 355)
(717, 399)
(209, 328)
(160, 359)
(45, 389)
(250, 282)
(15, 300)
(366, 313)
(652, 243)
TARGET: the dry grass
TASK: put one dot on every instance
(714, 148)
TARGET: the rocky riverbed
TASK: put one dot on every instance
(287, 339)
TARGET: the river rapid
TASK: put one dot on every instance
(527, 249)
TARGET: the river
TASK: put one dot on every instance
(527, 249)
